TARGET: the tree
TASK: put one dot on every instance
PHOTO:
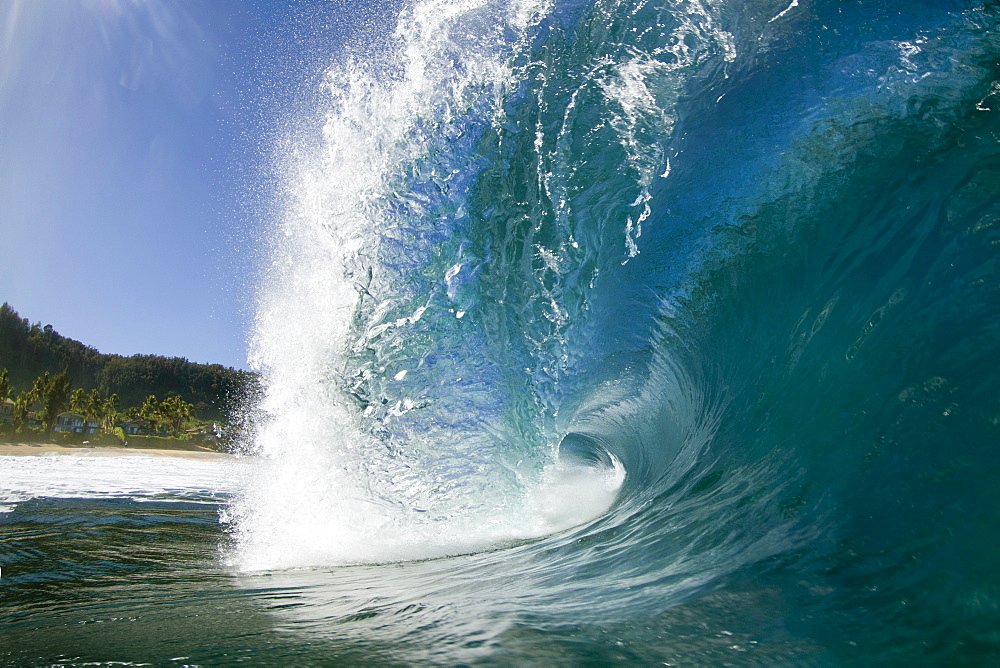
(78, 401)
(4, 385)
(21, 407)
(109, 413)
(38, 387)
(93, 407)
(54, 394)
(150, 410)
(174, 411)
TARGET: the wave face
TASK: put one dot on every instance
(672, 325)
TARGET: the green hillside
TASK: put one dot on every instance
(30, 350)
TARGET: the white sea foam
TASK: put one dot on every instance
(309, 515)
(571, 494)
(139, 477)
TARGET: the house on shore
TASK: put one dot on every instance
(206, 433)
(75, 423)
(139, 427)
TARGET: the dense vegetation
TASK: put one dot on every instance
(30, 351)
(35, 411)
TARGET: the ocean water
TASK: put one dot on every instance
(594, 332)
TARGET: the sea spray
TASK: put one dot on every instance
(360, 277)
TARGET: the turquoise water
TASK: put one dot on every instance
(596, 332)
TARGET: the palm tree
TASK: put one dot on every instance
(4, 385)
(150, 410)
(78, 401)
(38, 387)
(168, 411)
(54, 393)
(21, 406)
(175, 411)
(4, 389)
(109, 413)
(92, 408)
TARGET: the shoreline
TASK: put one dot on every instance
(56, 450)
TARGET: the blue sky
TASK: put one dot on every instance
(135, 137)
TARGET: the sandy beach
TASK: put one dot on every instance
(51, 449)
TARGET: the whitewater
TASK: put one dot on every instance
(594, 332)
